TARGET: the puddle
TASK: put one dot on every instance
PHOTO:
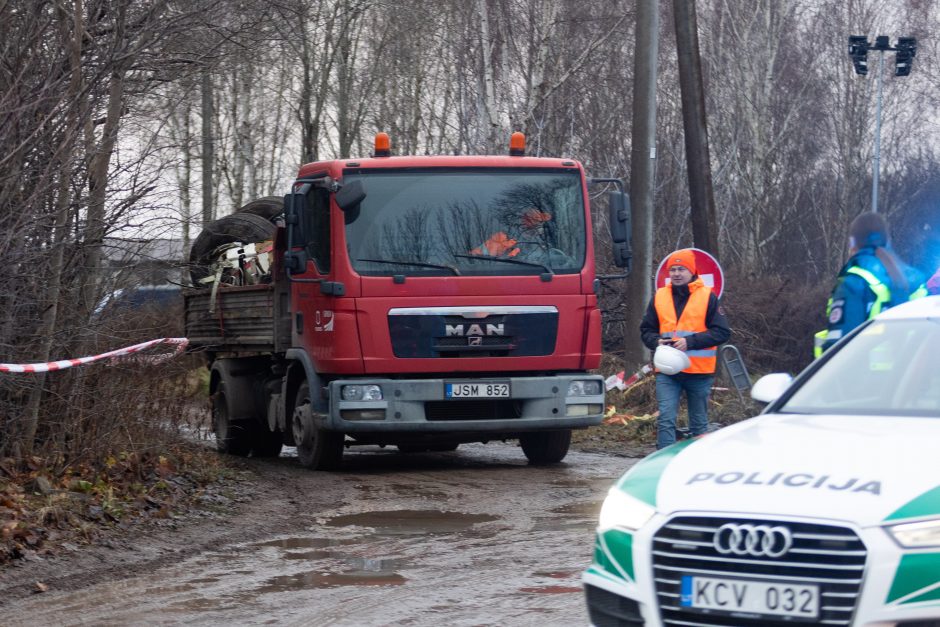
(199, 605)
(316, 579)
(588, 509)
(204, 580)
(309, 555)
(552, 589)
(409, 522)
(300, 543)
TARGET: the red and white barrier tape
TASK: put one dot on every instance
(180, 342)
(617, 380)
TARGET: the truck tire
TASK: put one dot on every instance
(545, 447)
(317, 449)
(267, 443)
(268, 207)
(252, 223)
(233, 437)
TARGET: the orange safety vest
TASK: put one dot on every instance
(497, 245)
(704, 360)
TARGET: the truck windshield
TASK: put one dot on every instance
(438, 222)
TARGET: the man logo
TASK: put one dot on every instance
(753, 540)
(460, 330)
(475, 340)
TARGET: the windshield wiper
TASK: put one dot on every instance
(508, 260)
(421, 264)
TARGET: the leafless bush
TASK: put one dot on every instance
(773, 320)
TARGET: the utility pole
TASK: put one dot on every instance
(642, 175)
(905, 49)
(701, 194)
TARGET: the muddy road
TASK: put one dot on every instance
(472, 537)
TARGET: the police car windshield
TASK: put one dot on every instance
(890, 367)
(437, 220)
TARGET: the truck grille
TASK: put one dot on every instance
(831, 557)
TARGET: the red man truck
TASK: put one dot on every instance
(420, 302)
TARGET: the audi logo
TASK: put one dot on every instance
(753, 540)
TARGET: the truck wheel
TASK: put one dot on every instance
(316, 449)
(248, 225)
(545, 447)
(232, 437)
(267, 443)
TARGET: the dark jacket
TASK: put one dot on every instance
(718, 329)
(852, 298)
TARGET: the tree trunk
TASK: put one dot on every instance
(208, 148)
(696, 128)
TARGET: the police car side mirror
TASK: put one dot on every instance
(770, 387)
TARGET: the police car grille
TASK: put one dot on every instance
(830, 557)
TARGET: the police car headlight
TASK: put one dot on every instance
(584, 388)
(918, 535)
(361, 393)
(624, 511)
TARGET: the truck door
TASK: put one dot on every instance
(313, 315)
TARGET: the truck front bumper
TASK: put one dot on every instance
(422, 406)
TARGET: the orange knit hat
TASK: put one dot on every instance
(532, 217)
(684, 258)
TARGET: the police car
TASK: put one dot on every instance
(823, 510)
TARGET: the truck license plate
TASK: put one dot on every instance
(476, 390)
(754, 597)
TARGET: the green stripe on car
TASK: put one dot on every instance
(613, 552)
(916, 580)
(927, 504)
(642, 480)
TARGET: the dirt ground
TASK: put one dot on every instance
(251, 503)
(275, 542)
(244, 495)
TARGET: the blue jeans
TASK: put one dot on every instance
(668, 392)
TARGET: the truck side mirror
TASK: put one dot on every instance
(295, 261)
(350, 195)
(295, 207)
(620, 226)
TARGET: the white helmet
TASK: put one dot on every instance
(670, 360)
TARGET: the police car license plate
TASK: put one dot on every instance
(492, 389)
(768, 598)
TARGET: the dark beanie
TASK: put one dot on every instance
(869, 229)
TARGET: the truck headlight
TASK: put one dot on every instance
(917, 535)
(622, 510)
(361, 392)
(584, 388)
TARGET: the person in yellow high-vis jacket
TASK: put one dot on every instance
(684, 314)
(872, 280)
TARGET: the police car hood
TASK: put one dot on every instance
(864, 469)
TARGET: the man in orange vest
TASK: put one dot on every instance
(499, 244)
(684, 314)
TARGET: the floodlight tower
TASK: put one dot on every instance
(905, 49)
